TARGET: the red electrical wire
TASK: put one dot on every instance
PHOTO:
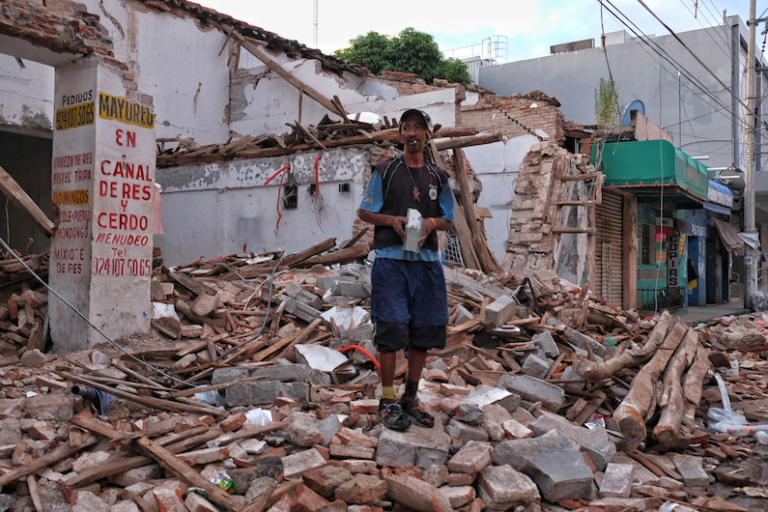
(278, 172)
(365, 353)
(279, 189)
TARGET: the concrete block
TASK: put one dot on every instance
(420, 447)
(301, 310)
(328, 427)
(462, 315)
(594, 443)
(581, 340)
(536, 366)
(473, 457)
(355, 290)
(295, 465)
(302, 430)
(465, 432)
(264, 392)
(617, 481)
(500, 311)
(357, 334)
(324, 481)
(469, 413)
(534, 390)
(570, 374)
(297, 292)
(222, 375)
(497, 396)
(558, 469)
(436, 475)
(692, 470)
(328, 282)
(48, 407)
(503, 488)
(10, 432)
(283, 372)
(546, 343)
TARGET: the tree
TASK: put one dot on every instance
(410, 51)
(608, 105)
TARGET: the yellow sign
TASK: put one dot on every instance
(75, 117)
(120, 109)
(75, 197)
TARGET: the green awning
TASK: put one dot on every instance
(652, 163)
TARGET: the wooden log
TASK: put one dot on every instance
(185, 309)
(631, 358)
(257, 52)
(214, 387)
(295, 259)
(640, 402)
(692, 386)
(34, 493)
(157, 403)
(23, 202)
(667, 430)
(46, 460)
(466, 142)
(392, 135)
(342, 256)
(191, 283)
(169, 461)
(121, 464)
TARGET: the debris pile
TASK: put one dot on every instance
(545, 398)
(23, 304)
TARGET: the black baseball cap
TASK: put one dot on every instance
(424, 117)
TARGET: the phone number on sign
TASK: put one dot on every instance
(122, 266)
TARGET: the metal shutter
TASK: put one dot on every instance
(609, 249)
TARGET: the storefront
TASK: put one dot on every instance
(674, 248)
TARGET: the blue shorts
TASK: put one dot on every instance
(409, 305)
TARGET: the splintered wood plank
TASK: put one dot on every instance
(169, 461)
(23, 202)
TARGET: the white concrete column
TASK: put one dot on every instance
(103, 184)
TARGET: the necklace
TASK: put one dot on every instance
(416, 192)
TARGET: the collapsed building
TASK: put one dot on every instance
(161, 168)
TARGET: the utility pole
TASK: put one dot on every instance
(315, 24)
(751, 259)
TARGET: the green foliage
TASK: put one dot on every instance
(608, 105)
(410, 51)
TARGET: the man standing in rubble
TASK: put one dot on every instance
(409, 305)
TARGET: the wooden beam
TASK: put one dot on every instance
(629, 254)
(342, 256)
(466, 142)
(169, 461)
(46, 460)
(297, 258)
(277, 68)
(469, 211)
(23, 202)
(157, 403)
(392, 135)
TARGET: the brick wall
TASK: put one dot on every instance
(514, 116)
(62, 27)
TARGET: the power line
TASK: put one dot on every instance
(717, 44)
(641, 2)
(677, 66)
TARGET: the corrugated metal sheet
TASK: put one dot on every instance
(609, 249)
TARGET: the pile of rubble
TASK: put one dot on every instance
(23, 303)
(545, 398)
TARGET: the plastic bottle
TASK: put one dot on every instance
(762, 437)
(740, 430)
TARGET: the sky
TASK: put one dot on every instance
(459, 27)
